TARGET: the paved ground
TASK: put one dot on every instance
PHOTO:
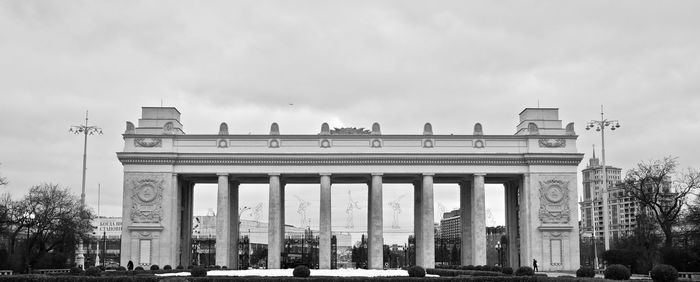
(557, 274)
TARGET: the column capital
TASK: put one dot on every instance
(175, 174)
(377, 173)
(274, 174)
(325, 174)
(428, 174)
(222, 174)
(479, 174)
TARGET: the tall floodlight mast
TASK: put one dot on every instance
(600, 126)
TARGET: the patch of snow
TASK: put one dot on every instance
(314, 272)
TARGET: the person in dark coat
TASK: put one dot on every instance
(130, 266)
(534, 264)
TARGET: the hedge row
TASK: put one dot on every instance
(42, 278)
(457, 272)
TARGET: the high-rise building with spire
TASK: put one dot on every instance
(622, 208)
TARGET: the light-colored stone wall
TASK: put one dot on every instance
(147, 215)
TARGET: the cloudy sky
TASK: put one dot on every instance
(349, 63)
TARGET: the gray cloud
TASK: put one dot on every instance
(402, 64)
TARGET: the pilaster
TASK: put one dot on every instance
(324, 244)
(375, 223)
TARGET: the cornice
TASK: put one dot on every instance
(350, 159)
(344, 136)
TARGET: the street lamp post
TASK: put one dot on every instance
(30, 218)
(600, 126)
(85, 130)
(104, 250)
(498, 251)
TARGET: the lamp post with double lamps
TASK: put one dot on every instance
(498, 251)
(600, 126)
(86, 130)
(29, 216)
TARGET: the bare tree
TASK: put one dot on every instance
(3, 180)
(662, 191)
(57, 223)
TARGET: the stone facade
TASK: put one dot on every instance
(537, 165)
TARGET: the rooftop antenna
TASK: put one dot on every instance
(593, 151)
(98, 199)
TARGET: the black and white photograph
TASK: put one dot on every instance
(349, 140)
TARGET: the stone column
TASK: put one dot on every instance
(465, 213)
(175, 220)
(283, 187)
(233, 226)
(479, 221)
(186, 209)
(375, 223)
(524, 222)
(417, 222)
(324, 241)
(274, 244)
(511, 190)
(427, 222)
(223, 221)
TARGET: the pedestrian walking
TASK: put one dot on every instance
(534, 264)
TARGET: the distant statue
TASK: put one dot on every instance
(325, 129)
(376, 130)
(570, 129)
(274, 129)
(129, 128)
(397, 211)
(223, 129)
(130, 265)
(533, 129)
(301, 210)
(349, 210)
(428, 129)
(478, 130)
(168, 128)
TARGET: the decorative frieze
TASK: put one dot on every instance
(552, 143)
(148, 142)
(554, 201)
(146, 199)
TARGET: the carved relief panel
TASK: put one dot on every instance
(146, 199)
(554, 201)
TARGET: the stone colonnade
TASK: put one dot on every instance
(472, 205)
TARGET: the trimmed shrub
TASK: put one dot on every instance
(496, 268)
(155, 267)
(198, 271)
(507, 270)
(455, 272)
(525, 271)
(469, 267)
(167, 267)
(664, 273)
(138, 268)
(75, 271)
(93, 271)
(190, 266)
(585, 272)
(617, 272)
(301, 271)
(416, 271)
(121, 268)
(224, 267)
(179, 266)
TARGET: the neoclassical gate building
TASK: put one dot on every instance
(537, 166)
